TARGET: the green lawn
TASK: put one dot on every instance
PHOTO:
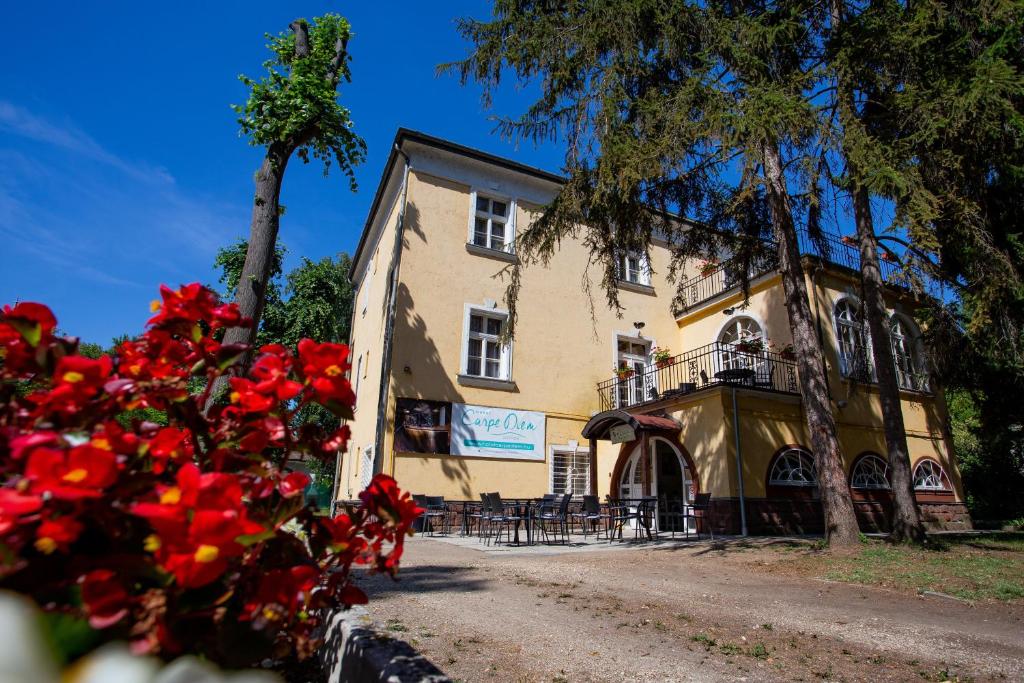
(972, 567)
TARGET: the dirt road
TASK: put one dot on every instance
(699, 612)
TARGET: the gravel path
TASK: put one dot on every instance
(684, 613)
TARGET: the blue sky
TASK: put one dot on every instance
(121, 162)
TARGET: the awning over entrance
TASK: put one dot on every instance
(600, 426)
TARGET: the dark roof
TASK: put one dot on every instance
(403, 135)
(600, 425)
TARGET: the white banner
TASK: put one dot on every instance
(485, 432)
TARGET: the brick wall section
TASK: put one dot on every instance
(788, 517)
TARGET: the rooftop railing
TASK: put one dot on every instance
(708, 366)
(725, 277)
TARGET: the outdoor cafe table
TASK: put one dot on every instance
(525, 508)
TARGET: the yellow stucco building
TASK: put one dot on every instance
(659, 402)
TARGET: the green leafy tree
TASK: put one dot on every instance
(670, 106)
(294, 109)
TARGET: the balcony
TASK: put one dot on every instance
(726, 276)
(708, 366)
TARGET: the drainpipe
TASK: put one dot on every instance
(739, 464)
(385, 371)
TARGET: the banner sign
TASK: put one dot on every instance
(482, 432)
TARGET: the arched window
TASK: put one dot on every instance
(793, 467)
(906, 353)
(742, 342)
(928, 476)
(870, 472)
(852, 337)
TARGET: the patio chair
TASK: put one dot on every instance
(422, 522)
(646, 512)
(483, 517)
(559, 516)
(590, 514)
(617, 516)
(674, 512)
(500, 517)
(438, 512)
(700, 512)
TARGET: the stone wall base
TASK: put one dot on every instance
(773, 517)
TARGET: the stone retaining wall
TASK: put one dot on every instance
(355, 652)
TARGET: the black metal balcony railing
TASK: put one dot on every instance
(711, 365)
(725, 277)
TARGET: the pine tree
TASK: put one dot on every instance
(669, 107)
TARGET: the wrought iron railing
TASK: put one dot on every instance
(712, 365)
(725, 277)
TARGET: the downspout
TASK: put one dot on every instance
(739, 464)
(385, 371)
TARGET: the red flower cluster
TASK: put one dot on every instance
(174, 535)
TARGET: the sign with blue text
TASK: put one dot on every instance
(484, 432)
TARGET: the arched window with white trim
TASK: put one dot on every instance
(929, 476)
(907, 354)
(742, 343)
(870, 472)
(793, 467)
(852, 337)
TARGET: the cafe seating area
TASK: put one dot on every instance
(564, 520)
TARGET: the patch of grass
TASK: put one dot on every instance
(396, 625)
(971, 567)
(766, 627)
(703, 639)
(759, 651)
(730, 649)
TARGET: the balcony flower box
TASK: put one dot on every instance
(848, 241)
(707, 267)
(662, 357)
(887, 257)
(750, 346)
(624, 372)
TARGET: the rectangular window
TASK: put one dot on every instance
(570, 473)
(635, 268)
(484, 353)
(491, 223)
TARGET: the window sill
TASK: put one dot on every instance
(487, 252)
(487, 383)
(873, 384)
(635, 287)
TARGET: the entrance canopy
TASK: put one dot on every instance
(600, 426)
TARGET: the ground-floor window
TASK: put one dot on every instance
(928, 476)
(793, 467)
(570, 471)
(870, 472)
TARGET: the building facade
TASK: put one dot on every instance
(664, 400)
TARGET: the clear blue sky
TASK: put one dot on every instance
(120, 161)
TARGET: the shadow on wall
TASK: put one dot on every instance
(427, 377)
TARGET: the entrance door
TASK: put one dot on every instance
(632, 484)
(673, 483)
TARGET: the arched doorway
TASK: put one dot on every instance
(670, 475)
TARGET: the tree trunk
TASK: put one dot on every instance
(840, 519)
(252, 285)
(906, 521)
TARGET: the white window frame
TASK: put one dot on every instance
(847, 366)
(365, 294)
(643, 270)
(803, 455)
(880, 465)
(505, 370)
(510, 219)
(567, 450)
(943, 486)
(908, 356)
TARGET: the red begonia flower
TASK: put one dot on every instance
(31, 321)
(324, 366)
(14, 505)
(105, 599)
(57, 534)
(202, 555)
(23, 444)
(170, 443)
(293, 484)
(82, 472)
(384, 499)
(246, 395)
(338, 441)
(271, 374)
(282, 591)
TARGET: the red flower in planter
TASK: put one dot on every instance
(14, 505)
(338, 441)
(105, 599)
(189, 304)
(343, 536)
(281, 591)
(385, 500)
(271, 374)
(76, 380)
(324, 366)
(82, 472)
(27, 320)
(111, 436)
(23, 444)
(170, 443)
(57, 534)
(293, 484)
(200, 555)
(246, 395)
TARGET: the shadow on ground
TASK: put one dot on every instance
(421, 579)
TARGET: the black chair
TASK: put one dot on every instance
(438, 514)
(590, 515)
(646, 513)
(618, 514)
(700, 512)
(500, 517)
(483, 517)
(559, 516)
(674, 512)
